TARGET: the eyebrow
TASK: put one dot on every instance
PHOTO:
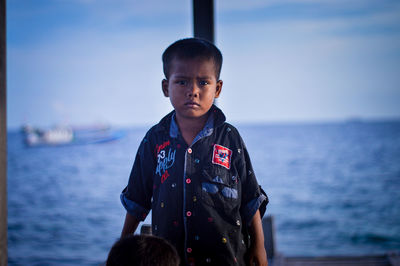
(185, 77)
(180, 77)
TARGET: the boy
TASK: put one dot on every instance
(193, 171)
(142, 250)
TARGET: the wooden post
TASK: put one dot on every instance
(203, 19)
(3, 137)
(145, 229)
(269, 236)
(394, 258)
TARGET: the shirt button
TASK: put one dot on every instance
(188, 213)
(189, 150)
(188, 181)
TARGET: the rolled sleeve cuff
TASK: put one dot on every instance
(252, 207)
(133, 208)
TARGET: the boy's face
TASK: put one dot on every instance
(192, 87)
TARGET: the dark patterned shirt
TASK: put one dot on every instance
(202, 196)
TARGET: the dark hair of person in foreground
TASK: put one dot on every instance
(142, 250)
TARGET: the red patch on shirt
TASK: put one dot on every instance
(222, 156)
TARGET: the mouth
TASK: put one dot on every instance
(192, 104)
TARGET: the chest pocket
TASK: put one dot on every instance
(219, 189)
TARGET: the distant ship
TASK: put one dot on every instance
(67, 135)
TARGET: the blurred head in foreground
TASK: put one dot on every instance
(142, 250)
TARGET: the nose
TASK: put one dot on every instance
(193, 90)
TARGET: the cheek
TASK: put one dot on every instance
(174, 93)
(175, 96)
(209, 94)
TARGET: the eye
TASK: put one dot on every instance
(204, 83)
(181, 82)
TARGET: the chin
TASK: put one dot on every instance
(195, 114)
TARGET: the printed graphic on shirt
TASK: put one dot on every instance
(165, 160)
(164, 176)
(222, 156)
(162, 146)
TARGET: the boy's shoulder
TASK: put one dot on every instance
(228, 133)
(230, 128)
(220, 124)
(163, 126)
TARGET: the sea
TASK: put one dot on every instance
(334, 189)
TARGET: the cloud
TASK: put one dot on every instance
(288, 68)
(311, 68)
(113, 75)
(122, 10)
(337, 5)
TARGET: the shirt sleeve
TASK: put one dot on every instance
(136, 197)
(253, 196)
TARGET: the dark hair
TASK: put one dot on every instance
(192, 48)
(142, 250)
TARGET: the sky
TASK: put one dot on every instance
(82, 62)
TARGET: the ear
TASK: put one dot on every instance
(164, 86)
(218, 88)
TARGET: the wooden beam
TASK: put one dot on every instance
(378, 260)
(203, 19)
(3, 137)
(145, 229)
(269, 236)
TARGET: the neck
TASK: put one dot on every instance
(190, 127)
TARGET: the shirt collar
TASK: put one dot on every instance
(173, 129)
(205, 132)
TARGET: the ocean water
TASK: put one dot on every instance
(334, 189)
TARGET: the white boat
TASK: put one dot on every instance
(64, 135)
